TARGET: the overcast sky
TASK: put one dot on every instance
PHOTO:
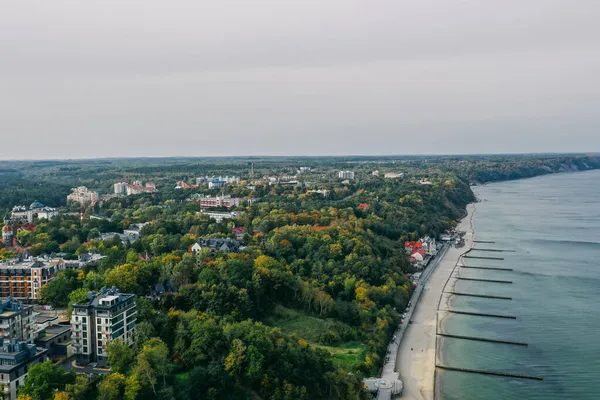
(84, 79)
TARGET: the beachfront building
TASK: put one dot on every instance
(429, 245)
(24, 279)
(82, 195)
(417, 259)
(16, 358)
(16, 321)
(103, 318)
(24, 214)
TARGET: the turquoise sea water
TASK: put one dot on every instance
(553, 223)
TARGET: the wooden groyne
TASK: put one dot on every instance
(483, 280)
(486, 372)
(484, 258)
(495, 250)
(491, 268)
(482, 241)
(480, 339)
(481, 314)
(485, 296)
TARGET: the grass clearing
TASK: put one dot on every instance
(348, 356)
(182, 377)
(305, 326)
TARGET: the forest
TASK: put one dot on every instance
(304, 311)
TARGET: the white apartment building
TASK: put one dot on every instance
(82, 195)
(346, 174)
(218, 201)
(105, 317)
(220, 216)
(22, 214)
(120, 187)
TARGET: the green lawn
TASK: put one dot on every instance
(303, 325)
(182, 377)
(348, 355)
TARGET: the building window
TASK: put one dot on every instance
(99, 335)
(85, 342)
(85, 349)
(99, 351)
(99, 321)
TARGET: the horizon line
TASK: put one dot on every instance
(420, 155)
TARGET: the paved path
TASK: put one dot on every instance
(389, 372)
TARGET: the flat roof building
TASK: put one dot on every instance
(16, 358)
(105, 317)
(16, 321)
(23, 279)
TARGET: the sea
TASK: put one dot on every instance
(552, 223)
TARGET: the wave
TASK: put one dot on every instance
(564, 276)
(563, 242)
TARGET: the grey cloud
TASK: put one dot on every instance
(149, 78)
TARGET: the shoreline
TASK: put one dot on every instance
(417, 352)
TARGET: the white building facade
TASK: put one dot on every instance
(82, 195)
(106, 317)
(346, 174)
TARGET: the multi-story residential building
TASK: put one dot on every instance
(23, 279)
(218, 201)
(136, 187)
(120, 187)
(224, 179)
(216, 184)
(346, 174)
(104, 317)
(219, 216)
(24, 214)
(83, 195)
(16, 358)
(16, 321)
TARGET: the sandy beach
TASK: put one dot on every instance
(416, 355)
